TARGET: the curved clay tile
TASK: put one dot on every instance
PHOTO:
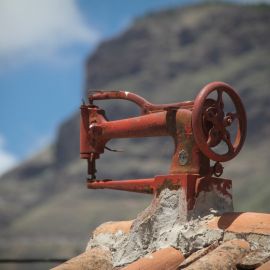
(225, 257)
(242, 223)
(113, 227)
(92, 259)
(265, 266)
(163, 259)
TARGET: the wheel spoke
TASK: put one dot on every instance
(227, 140)
(219, 99)
(213, 137)
(210, 137)
(210, 114)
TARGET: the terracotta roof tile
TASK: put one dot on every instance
(113, 227)
(254, 259)
(92, 259)
(226, 256)
(242, 223)
(265, 266)
(222, 254)
(163, 259)
(197, 255)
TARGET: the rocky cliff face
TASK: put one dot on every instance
(165, 57)
(169, 56)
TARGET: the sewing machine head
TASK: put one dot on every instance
(197, 128)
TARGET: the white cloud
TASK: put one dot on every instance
(7, 160)
(41, 28)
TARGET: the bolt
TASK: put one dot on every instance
(183, 157)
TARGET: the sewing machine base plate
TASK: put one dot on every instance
(198, 191)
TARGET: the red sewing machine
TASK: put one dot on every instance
(198, 127)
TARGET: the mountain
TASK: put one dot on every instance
(165, 57)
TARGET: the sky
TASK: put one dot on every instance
(43, 47)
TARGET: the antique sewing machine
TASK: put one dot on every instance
(198, 127)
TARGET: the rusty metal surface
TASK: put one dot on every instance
(196, 128)
(146, 106)
(215, 116)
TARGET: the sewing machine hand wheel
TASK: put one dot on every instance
(209, 122)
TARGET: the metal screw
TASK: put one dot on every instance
(183, 157)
